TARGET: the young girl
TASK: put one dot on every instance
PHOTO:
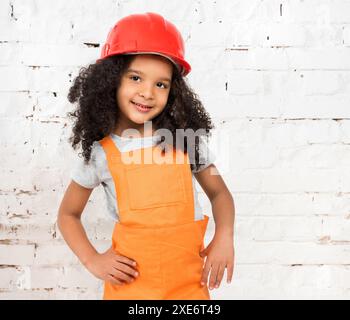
(157, 247)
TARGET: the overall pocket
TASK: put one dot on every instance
(155, 185)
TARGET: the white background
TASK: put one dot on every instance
(274, 76)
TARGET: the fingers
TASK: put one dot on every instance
(123, 271)
(219, 275)
(125, 260)
(122, 268)
(126, 265)
(229, 272)
(213, 274)
(126, 269)
(114, 281)
(216, 274)
(120, 275)
(205, 272)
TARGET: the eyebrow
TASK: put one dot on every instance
(140, 72)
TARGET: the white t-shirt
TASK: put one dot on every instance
(96, 172)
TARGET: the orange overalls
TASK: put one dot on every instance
(156, 226)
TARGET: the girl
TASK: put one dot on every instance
(157, 247)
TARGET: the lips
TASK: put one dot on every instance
(141, 107)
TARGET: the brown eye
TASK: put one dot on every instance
(165, 86)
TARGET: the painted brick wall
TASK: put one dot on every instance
(275, 77)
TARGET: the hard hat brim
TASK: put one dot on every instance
(182, 65)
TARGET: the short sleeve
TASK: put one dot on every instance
(206, 156)
(85, 174)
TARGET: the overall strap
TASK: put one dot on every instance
(110, 148)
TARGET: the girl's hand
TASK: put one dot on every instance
(109, 266)
(220, 255)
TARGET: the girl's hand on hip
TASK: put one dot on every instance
(220, 255)
(112, 267)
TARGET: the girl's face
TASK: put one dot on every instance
(147, 81)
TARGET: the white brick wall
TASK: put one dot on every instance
(275, 77)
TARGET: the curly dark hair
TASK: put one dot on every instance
(95, 117)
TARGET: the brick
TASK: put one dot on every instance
(346, 35)
(16, 254)
(283, 282)
(296, 180)
(279, 228)
(16, 104)
(317, 58)
(54, 254)
(45, 277)
(26, 295)
(344, 131)
(29, 231)
(78, 276)
(291, 252)
(318, 106)
(320, 13)
(8, 276)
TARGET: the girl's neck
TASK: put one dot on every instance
(140, 133)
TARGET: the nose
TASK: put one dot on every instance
(146, 91)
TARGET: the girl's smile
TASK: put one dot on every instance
(141, 107)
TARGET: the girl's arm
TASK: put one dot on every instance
(107, 266)
(220, 197)
(220, 251)
(69, 224)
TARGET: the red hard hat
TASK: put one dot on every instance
(147, 33)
